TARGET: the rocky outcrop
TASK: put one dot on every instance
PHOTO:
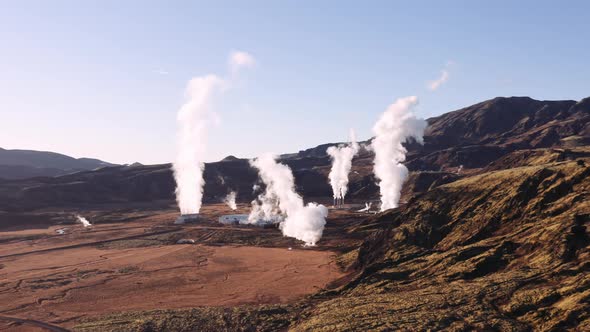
(504, 250)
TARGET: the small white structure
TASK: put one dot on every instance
(184, 218)
(185, 241)
(61, 231)
(367, 207)
(234, 219)
(84, 221)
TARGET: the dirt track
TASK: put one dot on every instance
(27, 325)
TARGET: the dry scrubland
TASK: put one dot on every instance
(509, 255)
(135, 265)
(501, 250)
(493, 236)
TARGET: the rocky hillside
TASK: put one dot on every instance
(505, 250)
(490, 135)
(500, 245)
(21, 164)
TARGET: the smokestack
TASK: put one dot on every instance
(341, 165)
(395, 126)
(281, 202)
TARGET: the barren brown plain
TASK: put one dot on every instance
(130, 261)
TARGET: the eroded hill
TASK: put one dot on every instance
(503, 250)
(469, 139)
(493, 234)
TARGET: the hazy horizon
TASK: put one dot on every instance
(237, 156)
(106, 80)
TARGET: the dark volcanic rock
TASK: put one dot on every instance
(20, 164)
(501, 244)
(496, 121)
(506, 251)
(498, 133)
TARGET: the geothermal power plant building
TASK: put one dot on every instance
(184, 218)
(233, 219)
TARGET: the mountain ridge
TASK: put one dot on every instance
(491, 233)
(19, 163)
(470, 138)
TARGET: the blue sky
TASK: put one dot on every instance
(104, 79)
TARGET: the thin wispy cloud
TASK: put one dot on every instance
(161, 72)
(442, 79)
(239, 59)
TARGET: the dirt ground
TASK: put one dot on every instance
(126, 264)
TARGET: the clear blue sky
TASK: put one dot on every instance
(85, 78)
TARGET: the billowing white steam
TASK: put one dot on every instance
(230, 200)
(367, 207)
(442, 79)
(84, 221)
(435, 84)
(395, 126)
(193, 119)
(255, 187)
(281, 202)
(341, 165)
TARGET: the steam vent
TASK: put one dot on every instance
(237, 196)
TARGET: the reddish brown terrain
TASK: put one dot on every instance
(492, 235)
(136, 265)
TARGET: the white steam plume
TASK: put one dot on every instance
(280, 201)
(435, 84)
(366, 208)
(193, 119)
(238, 60)
(230, 200)
(341, 165)
(395, 126)
(442, 79)
(84, 221)
(221, 179)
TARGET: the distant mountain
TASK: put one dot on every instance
(21, 164)
(507, 122)
(516, 121)
(491, 233)
(496, 134)
(14, 172)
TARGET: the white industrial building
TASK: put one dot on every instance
(234, 219)
(242, 219)
(184, 218)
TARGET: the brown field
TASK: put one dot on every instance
(129, 261)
